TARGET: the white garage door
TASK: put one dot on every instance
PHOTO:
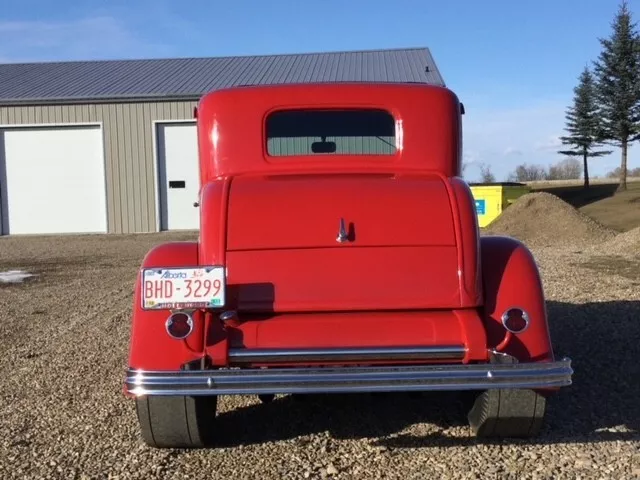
(179, 175)
(53, 180)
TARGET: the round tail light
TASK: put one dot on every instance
(515, 320)
(179, 325)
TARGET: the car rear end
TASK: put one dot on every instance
(353, 273)
(344, 282)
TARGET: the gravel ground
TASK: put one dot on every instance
(64, 337)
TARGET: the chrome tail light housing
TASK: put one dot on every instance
(515, 320)
(179, 325)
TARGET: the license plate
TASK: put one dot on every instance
(176, 288)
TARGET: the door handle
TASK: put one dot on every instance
(177, 184)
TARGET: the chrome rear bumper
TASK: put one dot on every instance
(350, 379)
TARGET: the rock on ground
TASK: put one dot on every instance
(625, 243)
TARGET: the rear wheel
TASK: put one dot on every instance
(177, 421)
(507, 413)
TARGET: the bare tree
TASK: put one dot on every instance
(567, 169)
(528, 173)
(615, 173)
(486, 174)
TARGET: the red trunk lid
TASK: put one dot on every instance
(283, 254)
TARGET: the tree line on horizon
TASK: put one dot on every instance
(568, 168)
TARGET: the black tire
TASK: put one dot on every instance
(507, 413)
(177, 421)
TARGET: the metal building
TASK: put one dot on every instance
(110, 146)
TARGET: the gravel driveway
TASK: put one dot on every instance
(64, 340)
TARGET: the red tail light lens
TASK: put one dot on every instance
(515, 320)
(179, 325)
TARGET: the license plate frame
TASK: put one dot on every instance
(182, 284)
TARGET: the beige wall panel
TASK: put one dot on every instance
(129, 151)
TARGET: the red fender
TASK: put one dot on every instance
(511, 279)
(151, 348)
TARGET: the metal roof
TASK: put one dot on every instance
(190, 78)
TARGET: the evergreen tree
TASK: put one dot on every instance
(582, 124)
(617, 71)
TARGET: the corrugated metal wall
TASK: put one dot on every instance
(129, 151)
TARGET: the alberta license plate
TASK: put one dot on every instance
(198, 287)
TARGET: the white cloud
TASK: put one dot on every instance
(97, 37)
(470, 157)
(552, 143)
(511, 151)
(506, 137)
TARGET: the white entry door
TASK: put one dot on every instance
(179, 176)
(52, 180)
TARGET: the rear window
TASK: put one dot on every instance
(330, 132)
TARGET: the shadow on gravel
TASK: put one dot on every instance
(602, 339)
(344, 416)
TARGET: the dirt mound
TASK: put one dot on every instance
(626, 243)
(543, 219)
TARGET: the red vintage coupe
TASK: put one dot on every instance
(338, 251)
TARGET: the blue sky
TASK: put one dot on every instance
(513, 63)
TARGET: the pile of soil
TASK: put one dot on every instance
(626, 243)
(543, 219)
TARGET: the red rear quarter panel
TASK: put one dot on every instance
(150, 346)
(511, 279)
